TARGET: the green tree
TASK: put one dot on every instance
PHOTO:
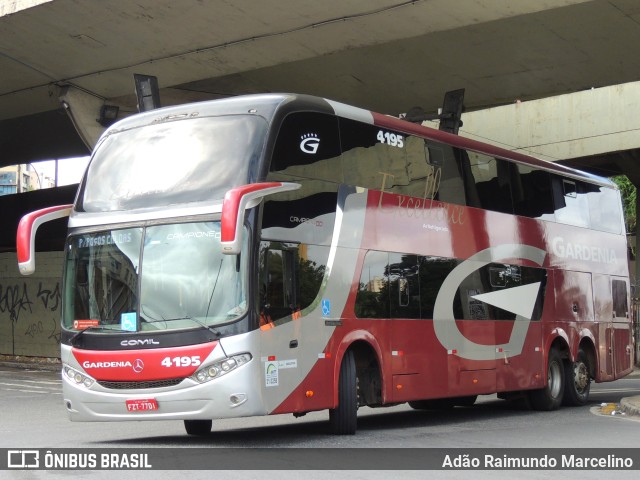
(628, 192)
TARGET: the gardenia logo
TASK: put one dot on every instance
(577, 251)
(119, 364)
(310, 143)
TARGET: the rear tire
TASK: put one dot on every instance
(198, 427)
(344, 417)
(577, 381)
(550, 397)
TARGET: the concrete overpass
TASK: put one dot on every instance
(384, 55)
(546, 76)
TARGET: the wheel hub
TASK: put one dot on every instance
(581, 376)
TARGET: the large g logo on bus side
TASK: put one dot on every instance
(310, 143)
(519, 300)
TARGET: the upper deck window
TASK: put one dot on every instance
(308, 147)
(177, 162)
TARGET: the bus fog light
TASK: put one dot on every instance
(237, 399)
(222, 367)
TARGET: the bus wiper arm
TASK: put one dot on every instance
(77, 336)
(194, 320)
(208, 327)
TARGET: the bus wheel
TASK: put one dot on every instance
(550, 397)
(344, 417)
(577, 381)
(198, 427)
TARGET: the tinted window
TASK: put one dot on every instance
(571, 205)
(308, 146)
(372, 300)
(619, 292)
(290, 278)
(531, 193)
(492, 179)
(407, 286)
(433, 271)
(404, 282)
(375, 158)
(451, 167)
(605, 210)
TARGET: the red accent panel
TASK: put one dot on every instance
(26, 231)
(125, 365)
(231, 205)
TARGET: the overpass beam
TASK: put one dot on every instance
(592, 122)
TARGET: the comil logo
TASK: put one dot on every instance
(310, 143)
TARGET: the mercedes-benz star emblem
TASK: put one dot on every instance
(138, 365)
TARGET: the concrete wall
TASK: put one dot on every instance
(30, 307)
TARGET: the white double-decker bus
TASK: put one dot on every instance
(285, 254)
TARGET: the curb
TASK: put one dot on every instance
(630, 405)
(34, 363)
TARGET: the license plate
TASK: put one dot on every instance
(142, 404)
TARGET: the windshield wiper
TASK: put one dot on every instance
(193, 319)
(75, 338)
(208, 327)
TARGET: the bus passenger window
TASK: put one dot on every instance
(375, 158)
(492, 177)
(405, 286)
(432, 272)
(372, 300)
(620, 305)
(532, 194)
(571, 206)
(451, 167)
(605, 210)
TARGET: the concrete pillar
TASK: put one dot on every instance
(84, 110)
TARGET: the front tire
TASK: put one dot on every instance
(550, 397)
(198, 427)
(577, 381)
(344, 417)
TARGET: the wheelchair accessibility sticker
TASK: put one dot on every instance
(326, 307)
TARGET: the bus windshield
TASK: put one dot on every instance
(161, 277)
(170, 163)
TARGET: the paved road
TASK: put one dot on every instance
(33, 416)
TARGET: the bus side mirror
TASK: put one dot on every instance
(26, 235)
(236, 201)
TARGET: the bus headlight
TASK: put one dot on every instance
(216, 370)
(77, 377)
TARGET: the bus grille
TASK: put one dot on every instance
(140, 385)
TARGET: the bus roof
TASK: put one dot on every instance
(270, 105)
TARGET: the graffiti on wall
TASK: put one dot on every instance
(30, 317)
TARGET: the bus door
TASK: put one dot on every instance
(621, 337)
(279, 314)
